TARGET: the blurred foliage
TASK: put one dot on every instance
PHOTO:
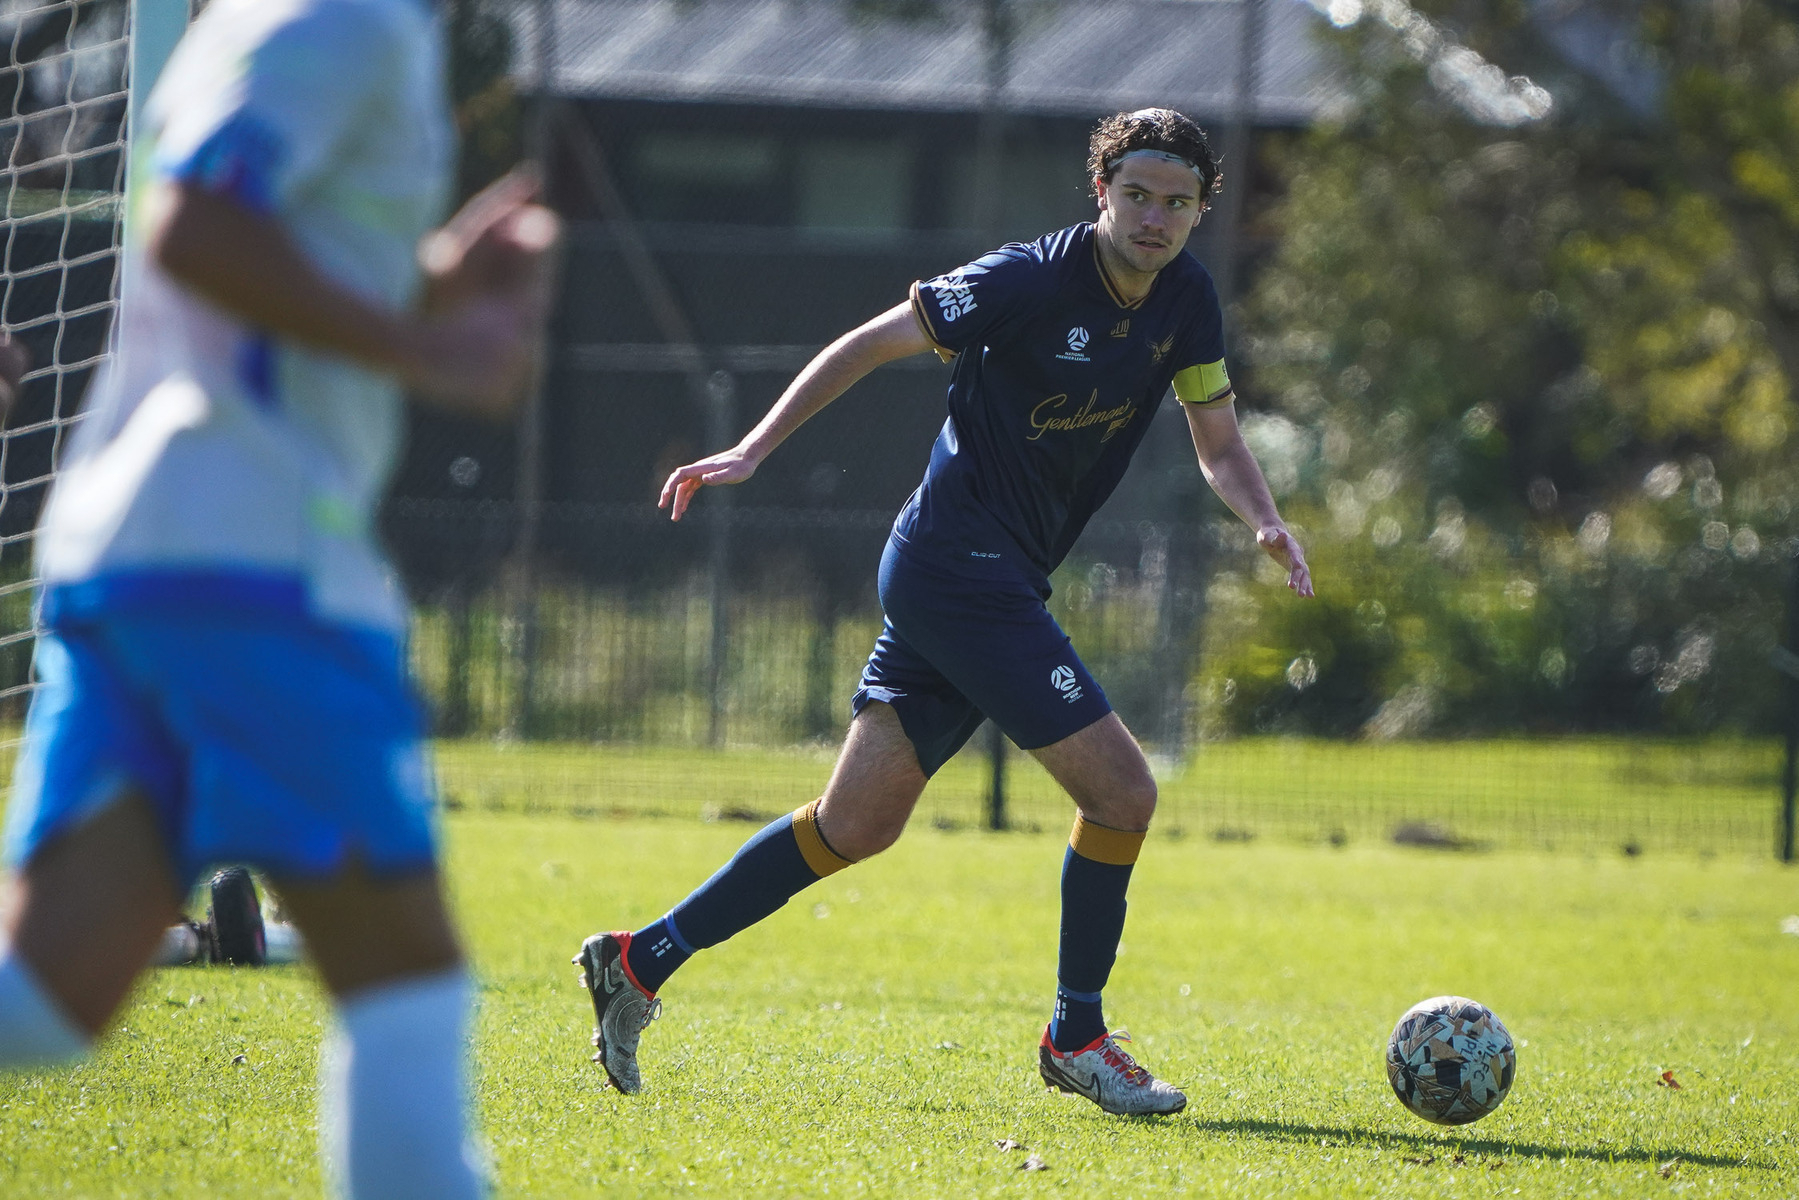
(1463, 633)
(1529, 391)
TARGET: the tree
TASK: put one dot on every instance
(1535, 380)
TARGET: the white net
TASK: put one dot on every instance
(64, 140)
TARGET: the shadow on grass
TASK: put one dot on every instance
(1280, 1131)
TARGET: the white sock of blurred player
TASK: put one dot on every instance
(394, 1092)
(34, 1031)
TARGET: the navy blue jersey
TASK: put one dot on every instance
(1055, 383)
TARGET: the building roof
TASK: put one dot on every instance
(1072, 57)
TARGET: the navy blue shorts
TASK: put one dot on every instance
(956, 650)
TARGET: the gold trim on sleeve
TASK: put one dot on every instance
(924, 323)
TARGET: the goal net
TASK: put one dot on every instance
(65, 137)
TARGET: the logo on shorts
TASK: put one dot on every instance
(1077, 342)
(1063, 680)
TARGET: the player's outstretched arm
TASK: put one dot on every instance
(474, 357)
(1235, 475)
(893, 334)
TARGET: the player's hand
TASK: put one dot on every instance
(732, 466)
(478, 359)
(1284, 549)
(15, 360)
(488, 278)
(498, 244)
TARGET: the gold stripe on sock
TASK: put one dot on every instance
(821, 858)
(1104, 845)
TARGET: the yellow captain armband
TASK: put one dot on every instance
(1204, 383)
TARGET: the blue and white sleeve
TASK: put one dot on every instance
(277, 121)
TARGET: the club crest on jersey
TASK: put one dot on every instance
(955, 295)
(1063, 680)
(1077, 342)
(1159, 350)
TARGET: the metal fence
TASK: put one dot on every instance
(706, 669)
(737, 627)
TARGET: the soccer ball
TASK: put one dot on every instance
(1450, 1060)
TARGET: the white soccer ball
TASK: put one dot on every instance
(1450, 1060)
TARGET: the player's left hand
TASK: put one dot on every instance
(1284, 549)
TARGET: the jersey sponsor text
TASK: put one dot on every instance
(955, 298)
(1114, 419)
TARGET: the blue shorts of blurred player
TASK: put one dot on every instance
(260, 738)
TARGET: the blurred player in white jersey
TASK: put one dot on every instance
(221, 659)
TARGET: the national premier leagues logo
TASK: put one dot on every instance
(955, 296)
(1077, 342)
(1063, 680)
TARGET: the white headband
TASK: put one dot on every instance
(1165, 156)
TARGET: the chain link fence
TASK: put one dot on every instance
(705, 669)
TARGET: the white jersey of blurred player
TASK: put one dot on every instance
(295, 446)
(221, 659)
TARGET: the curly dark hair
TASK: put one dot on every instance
(1152, 129)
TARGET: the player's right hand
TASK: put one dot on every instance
(732, 466)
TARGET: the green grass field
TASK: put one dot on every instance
(877, 1035)
(1693, 796)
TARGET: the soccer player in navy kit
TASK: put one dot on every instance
(1063, 349)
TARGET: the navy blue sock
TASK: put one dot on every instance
(1096, 871)
(657, 951)
(1079, 1018)
(786, 857)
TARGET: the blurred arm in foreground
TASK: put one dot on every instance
(468, 347)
